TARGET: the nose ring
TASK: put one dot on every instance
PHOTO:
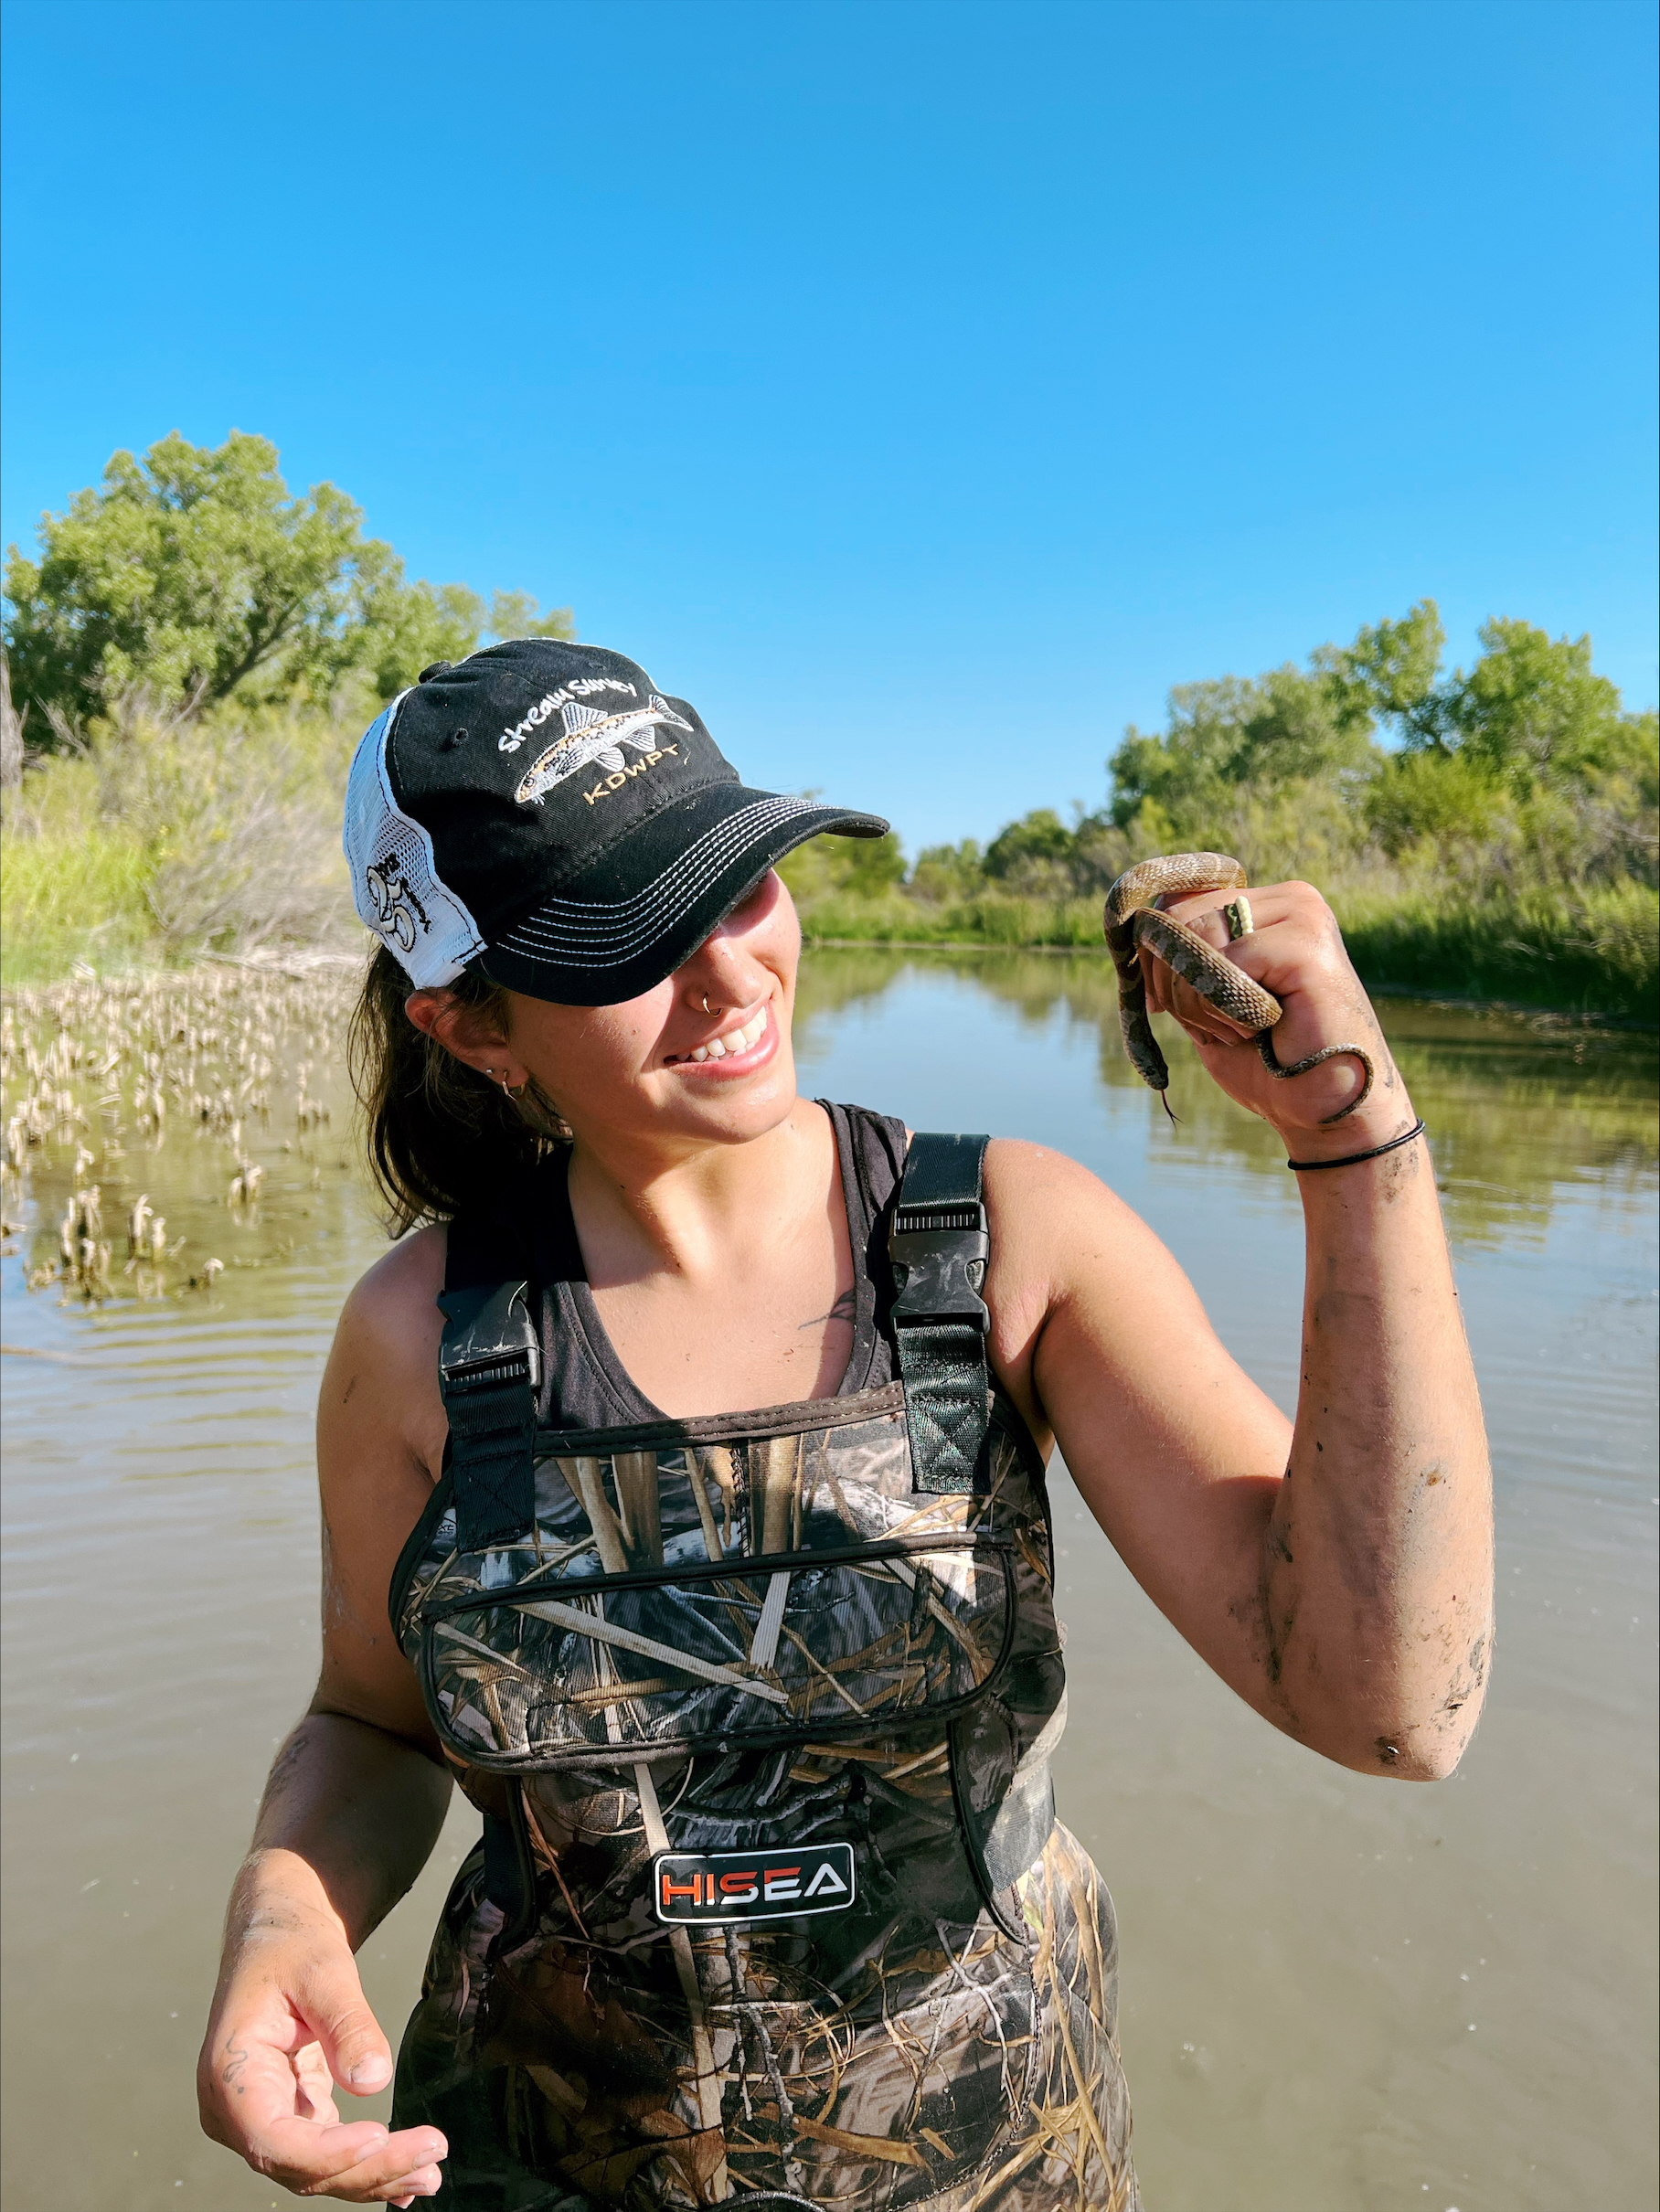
(707, 1007)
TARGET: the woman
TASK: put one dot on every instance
(709, 1493)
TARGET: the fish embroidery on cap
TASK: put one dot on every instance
(589, 736)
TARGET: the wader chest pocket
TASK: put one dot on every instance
(754, 1652)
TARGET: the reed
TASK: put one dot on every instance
(92, 1066)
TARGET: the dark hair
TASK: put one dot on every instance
(440, 1137)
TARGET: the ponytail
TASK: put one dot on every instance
(442, 1137)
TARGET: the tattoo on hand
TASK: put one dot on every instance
(231, 2076)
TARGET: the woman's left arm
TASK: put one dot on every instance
(1338, 1574)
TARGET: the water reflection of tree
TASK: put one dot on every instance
(1521, 1109)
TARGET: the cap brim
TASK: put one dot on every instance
(596, 945)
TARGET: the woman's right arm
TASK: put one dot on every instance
(357, 1796)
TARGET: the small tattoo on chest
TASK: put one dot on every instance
(843, 1310)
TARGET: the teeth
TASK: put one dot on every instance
(734, 1042)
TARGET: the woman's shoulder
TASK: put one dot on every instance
(1047, 1214)
(1017, 1165)
(400, 1291)
(391, 1326)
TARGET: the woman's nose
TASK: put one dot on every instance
(727, 969)
(725, 975)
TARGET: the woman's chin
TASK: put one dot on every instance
(735, 1104)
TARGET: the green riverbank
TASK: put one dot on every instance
(75, 890)
(1594, 952)
(1503, 850)
(1596, 957)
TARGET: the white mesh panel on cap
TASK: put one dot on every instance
(396, 886)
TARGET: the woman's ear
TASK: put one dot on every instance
(464, 1034)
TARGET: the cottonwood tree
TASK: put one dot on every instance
(191, 575)
(1524, 767)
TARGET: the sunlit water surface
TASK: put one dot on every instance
(1338, 1992)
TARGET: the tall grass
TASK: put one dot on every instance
(1592, 950)
(156, 841)
(72, 882)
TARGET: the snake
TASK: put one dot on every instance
(1133, 920)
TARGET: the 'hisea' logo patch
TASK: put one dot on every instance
(706, 1888)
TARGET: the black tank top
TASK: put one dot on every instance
(584, 1384)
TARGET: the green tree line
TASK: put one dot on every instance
(191, 578)
(1489, 830)
(192, 651)
(190, 655)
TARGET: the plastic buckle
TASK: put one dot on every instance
(490, 1341)
(944, 1252)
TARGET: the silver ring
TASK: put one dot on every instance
(1237, 915)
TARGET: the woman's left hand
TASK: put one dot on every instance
(1295, 950)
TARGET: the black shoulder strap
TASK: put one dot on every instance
(939, 1246)
(489, 1366)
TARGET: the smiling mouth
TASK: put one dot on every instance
(730, 1045)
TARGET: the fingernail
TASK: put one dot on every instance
(368, 2074)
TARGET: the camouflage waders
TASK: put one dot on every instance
(771, 1907)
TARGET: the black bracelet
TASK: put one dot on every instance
(1352, 1159)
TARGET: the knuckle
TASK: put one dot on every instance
(337, 2005)
(1308, 897)
(334, 1979)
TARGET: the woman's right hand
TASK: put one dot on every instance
(290, 2022)
(356, 1797)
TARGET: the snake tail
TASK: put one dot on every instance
(1265, 1045)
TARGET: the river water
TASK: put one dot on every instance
(1340, 1993)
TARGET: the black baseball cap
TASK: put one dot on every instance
(540, 812)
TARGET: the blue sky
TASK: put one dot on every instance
(919, 388)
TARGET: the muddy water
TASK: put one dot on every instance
(1338, 1992)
